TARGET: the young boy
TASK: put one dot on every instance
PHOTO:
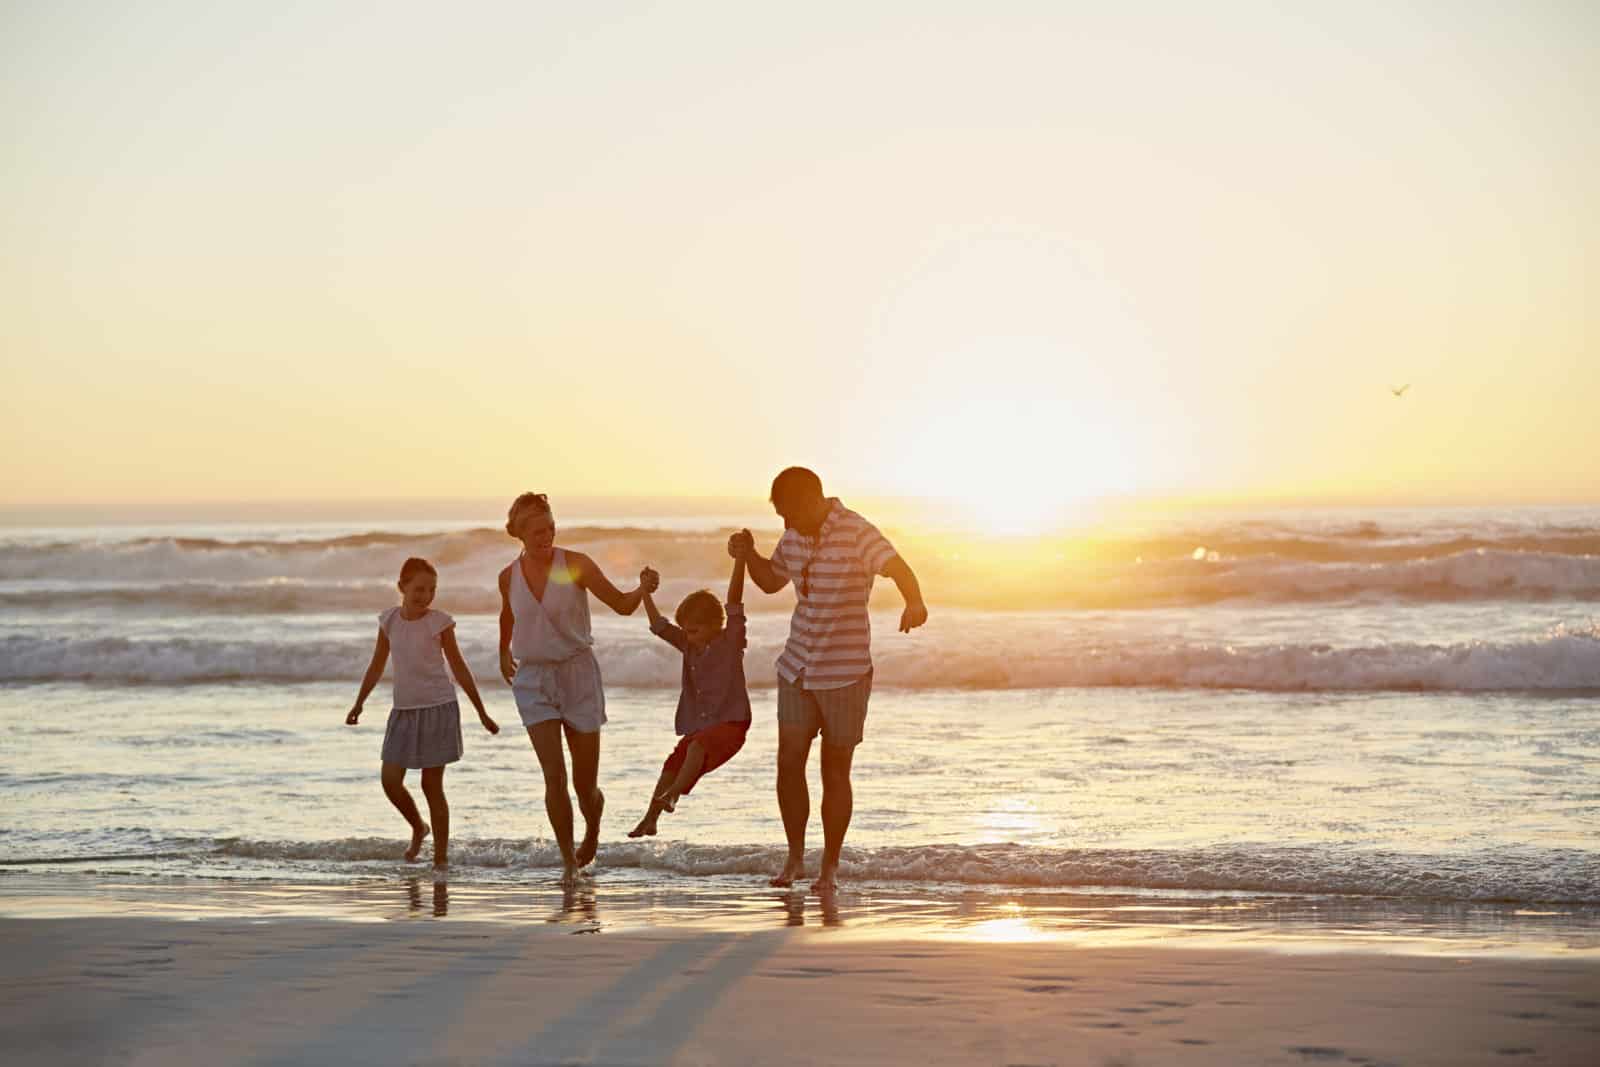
(713, 708)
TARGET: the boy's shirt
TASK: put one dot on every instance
(713, 679)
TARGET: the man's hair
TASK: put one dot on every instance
(534, 500)
(413, 566)
(699, 606)
(796, 481)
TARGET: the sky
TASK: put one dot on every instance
(1019, 255)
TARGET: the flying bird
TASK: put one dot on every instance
(1400, 391)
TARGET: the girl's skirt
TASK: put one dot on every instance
(423, 737)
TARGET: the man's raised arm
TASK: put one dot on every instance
(742, 546)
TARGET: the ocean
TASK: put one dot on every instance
(1304, 712)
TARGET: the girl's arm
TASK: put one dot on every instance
(380, 656)
(591, 578)
(736, 583)
(463, 674)
(508, 621)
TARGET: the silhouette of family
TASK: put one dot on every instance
(829, 553)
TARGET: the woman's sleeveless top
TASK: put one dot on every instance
(556, 628)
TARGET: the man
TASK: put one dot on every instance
(831, 554)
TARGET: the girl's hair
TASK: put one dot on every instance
(533, 500)
(701, 605)
(409, 569)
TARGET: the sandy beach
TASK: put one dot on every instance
(138, 990)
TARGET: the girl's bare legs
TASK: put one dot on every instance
(394, 787)
(693, 760)
(439, 812)
(647, 825)
(585, 750)
(546, 738)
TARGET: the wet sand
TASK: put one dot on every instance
(140, 990)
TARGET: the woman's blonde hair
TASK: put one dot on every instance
(526, 500)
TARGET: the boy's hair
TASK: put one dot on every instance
(410, 568)
(699, 606)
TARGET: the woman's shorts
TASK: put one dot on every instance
(569, 691)
(720, 742)
(423, 737)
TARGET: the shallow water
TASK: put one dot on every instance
(1384, 708)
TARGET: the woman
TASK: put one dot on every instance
(547, 659)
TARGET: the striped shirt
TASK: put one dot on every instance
(830, 636)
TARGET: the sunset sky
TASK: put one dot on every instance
(1001, 252)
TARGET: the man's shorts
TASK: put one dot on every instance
(719, 743)
(840, 715)
(569, 691)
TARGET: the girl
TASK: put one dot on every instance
(547, 659)
(425, 726)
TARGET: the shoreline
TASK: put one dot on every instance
(627, 902)
(146, 990)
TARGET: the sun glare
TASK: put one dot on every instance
(1016, 465)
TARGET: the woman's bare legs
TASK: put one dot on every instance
(585, 750)
(546, 738)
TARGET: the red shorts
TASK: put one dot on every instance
(720, 743)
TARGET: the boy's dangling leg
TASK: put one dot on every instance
(647, 825)
(693, 761)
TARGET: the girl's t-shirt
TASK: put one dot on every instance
(420, 677)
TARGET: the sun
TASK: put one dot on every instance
(1013, 465)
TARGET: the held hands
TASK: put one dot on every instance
(914, 615)
(649, 580)
(742, 545)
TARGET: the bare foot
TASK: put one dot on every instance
(792, 869)
(826, 881)
(417, 834)
(668, 800)
(441, 868)
(591, 833)
(646, 828)
(569, 875)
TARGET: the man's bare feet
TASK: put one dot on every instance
(591, 833)
(417, 834)
(826, 881)
(569, 875)
(792, 869)
(668, 799)
(646, 828)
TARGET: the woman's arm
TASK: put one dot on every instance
(463, 675)
(590, 577)
(380, 656)
(508, 622)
